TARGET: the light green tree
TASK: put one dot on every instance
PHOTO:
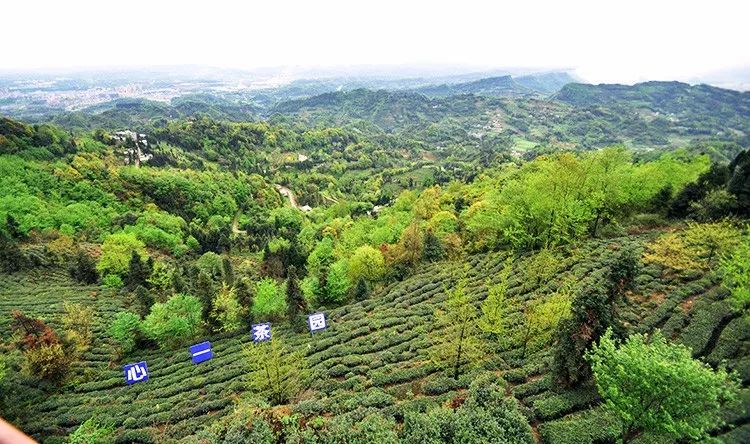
(735, 272)
(175, 321)
(125, 330)
(657, 388)
(276, 373)
(367, 262)
(117, 250)
(456, 345)
(496, 308)
(227, 311)
(269, 302)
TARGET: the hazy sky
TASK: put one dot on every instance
(604, 41)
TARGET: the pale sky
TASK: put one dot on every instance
(604, 41)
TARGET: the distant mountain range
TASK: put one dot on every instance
(674, 98)
(503, 86)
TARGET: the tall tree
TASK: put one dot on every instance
(275, 373)
(496, 308)
(361, 290)
(296, 306)
(456, 346)
(433, 248)
(226, 311)
(83, 268)
(137, 271)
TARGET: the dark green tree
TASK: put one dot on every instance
(227, 271)
(144, 299)
(432, 249)
(13, 227)
(244, 290)
(361, 290)
(295, 300)
(592, 313)
(205, 289)
(739, 184)
(138, 272)
(11, 257)
(83, 268)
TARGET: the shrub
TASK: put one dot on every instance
(92, 431)
(47, 362)
(112, 281)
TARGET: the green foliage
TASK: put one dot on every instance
(295, 301)
(138, 271)
(226, 311)
(695, 248)
(337, 283)
(84, 269)
(433, 248)
(486, 416)
(48, 362)
(78, 323)
(592, 313)
(112, 281)
(117, 251)
(321, 256)
(361, 290)
(92, 431)
(269, 302)
(456, 346)
(275, 373)
(557, 199)
(735, 271)
(366, 262)
(175, 321)
(11, 258)
(125, 331)
(496, 308)
(656, 387)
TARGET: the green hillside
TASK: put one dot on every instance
(373, 359)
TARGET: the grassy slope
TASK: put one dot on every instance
(372, 357)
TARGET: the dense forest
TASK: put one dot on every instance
(507, 259)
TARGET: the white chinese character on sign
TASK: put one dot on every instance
(261, 332)
(136, 373)
(317, 321)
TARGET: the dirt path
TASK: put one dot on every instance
(284, 191)
(236, 224)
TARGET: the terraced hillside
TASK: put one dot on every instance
(374, 356)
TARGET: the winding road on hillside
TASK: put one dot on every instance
(284, 191)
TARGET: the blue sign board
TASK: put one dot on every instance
(316, 322)
(261, 332)
(201, 352)
(137, 372)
